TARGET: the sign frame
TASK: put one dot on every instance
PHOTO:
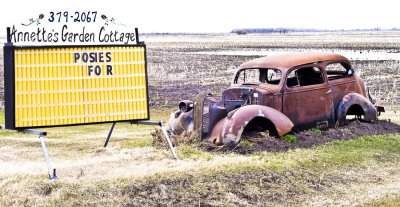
(10, 80)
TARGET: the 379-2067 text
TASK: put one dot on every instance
(89, 16)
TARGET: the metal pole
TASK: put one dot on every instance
(8, 35)
(52, 175)
(137, 36)
(168, 140)
(171, 147)
(109, 134)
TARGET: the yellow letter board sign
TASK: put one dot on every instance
(72, 85)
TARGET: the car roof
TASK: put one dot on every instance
(289, 60)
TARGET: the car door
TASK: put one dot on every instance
(307, 99)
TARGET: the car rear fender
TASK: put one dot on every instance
(355, 100)
(229, 130)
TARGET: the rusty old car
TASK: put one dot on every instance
(281, 94)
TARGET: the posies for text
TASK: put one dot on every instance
(95, 61)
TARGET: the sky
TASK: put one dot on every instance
(203, 16)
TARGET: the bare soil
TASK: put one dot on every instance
(261, 141)
(181, 66)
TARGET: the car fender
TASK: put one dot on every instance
(351, 99)
(229, 130)
(180, 121)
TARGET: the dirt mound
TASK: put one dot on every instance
(261, 141)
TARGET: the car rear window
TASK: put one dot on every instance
(304, 77)
(337, 71)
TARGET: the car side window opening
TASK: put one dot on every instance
(338, 71)
(257, 76)
(305, 77)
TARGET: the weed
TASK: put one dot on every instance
(315, 131)
(289, 138)
(246, 143)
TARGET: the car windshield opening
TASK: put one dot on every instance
(258, 75)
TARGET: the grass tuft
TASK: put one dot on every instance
(246, 143)
(315, 131)
(289, 138)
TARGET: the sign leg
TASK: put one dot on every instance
(51, 170)
(109, 134)
(163, 129)
(168, 140)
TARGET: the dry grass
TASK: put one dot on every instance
(338, 174)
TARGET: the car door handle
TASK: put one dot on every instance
(328, 91)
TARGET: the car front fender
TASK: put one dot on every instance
(229, 130)
(352, 99)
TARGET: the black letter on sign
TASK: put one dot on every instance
(109, 70)
(97, 70)
(76, 57)
(92, 57)
(90, 69)
(108, 56)
(85, 57)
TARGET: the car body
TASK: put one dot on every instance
(281, 93)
